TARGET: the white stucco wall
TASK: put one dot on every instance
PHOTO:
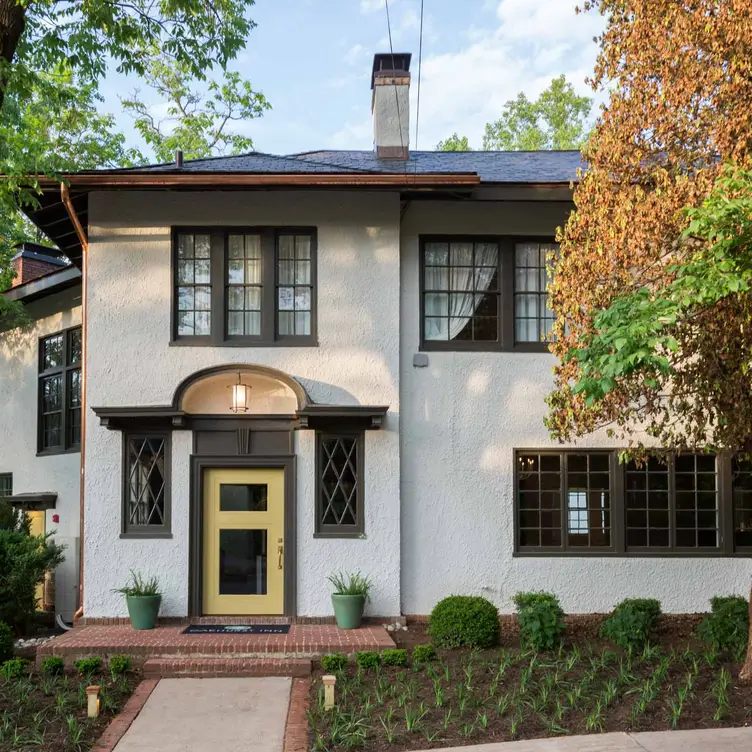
(462, 417)
(357, 361)
(19, 360)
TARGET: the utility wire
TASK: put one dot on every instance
(396, 97)
(417, 105)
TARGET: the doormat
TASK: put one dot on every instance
(237, 629)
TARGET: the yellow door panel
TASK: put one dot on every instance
(244, 512)
(38, 527)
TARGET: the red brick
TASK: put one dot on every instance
(122, 721)
(205, 667)
(296, 729)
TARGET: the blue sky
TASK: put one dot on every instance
(312, 59)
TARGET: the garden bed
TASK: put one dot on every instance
(49, 712)
(503, 694)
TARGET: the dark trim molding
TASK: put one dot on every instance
(199, 464)
(354, 417)
(33, 501)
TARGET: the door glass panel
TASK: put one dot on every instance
(242, 562)
(242, 497)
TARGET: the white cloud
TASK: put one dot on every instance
(355, 54)
(371, 6)
(357, 135)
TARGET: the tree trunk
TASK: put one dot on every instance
(12, 22)
(745, 675)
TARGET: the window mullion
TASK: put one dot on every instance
(672, 503)
(725, 504)
(618, 505)
(269, 291)
(218, 287)
(506, 288)
(564, 497)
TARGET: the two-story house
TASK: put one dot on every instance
(336, 361)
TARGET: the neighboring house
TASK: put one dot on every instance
(376, 322)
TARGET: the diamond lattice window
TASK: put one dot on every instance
(146, 492)
(339, 511)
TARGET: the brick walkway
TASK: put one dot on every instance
(301, 641)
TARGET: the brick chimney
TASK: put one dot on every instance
(33, 261)
(390, 82)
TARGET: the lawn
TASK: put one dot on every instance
(49, 712)
(465, 697)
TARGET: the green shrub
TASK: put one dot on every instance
(119, 664)
(88, 665)
(6, 642)
(53, 665)
(24, 559)
(464, 620)
(424, 653)
(15, 668)
(632, 622)
(367, 659)
(396, 657)
(726, 628)
(333, 662)
(541, 620)
(14, 519)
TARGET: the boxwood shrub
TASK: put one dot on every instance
(726, 628)
(632, 623)
(464, 621)
(541, 620)
(53, 665)
(394, 657)
(368, 659)
(333, 662)
(424, 653)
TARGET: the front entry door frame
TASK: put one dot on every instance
(199, 466)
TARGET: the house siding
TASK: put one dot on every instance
(19, 361)
(356, 362)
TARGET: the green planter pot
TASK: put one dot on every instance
(349, 610)
(143, 610)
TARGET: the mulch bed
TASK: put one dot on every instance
(503, 694)
(49, 713)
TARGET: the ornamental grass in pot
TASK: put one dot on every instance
(349, 598)
(143, 599)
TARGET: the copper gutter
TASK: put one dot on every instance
(65, 195)
(157, 180)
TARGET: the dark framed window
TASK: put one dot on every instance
(59, 409)
(6, 485)
(485, 293)
(146, 485)
(587, 503)
(244, 286)
(339, 485)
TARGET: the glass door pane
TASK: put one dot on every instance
(242, 562)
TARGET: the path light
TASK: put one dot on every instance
(241, 396)
(329, 682)
(92, 701)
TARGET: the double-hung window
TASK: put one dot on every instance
(485, 293)
(59, 407)
(254, 286)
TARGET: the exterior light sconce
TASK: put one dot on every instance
(241, 397)
(526, 467)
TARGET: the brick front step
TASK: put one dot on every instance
(160, 668)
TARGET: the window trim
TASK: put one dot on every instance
(219, 243)
(6, 476)
(618, 548)
(146, 531)
(65, 370)
(506, 341)
(340, 531)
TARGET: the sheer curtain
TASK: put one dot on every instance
(453, 310)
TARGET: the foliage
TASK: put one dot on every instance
(194, 123)
(556, 120)
(333, 662)
(13, 519)
(140, 586)
(53, 665)
(119, 664)
(464, 620)
(6, 642)
(13, 668)
(87, 666)
(651, 285)
(541, 620)
(351, 584)
(632, 622)
(394, 657)
(23, 561)
(454, 143)
(367, 659)
(424, 653)
(726, 628)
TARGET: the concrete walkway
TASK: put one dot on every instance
(211, 715)
(708, 740)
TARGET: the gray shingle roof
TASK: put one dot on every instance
(491, 166)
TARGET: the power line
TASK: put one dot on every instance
(420, 62)
(396, 96)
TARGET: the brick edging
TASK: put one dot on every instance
(296, 726)
(123, 720)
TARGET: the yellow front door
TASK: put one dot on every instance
(244, 546)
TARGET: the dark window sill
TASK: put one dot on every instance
(244, 342)
(54, 452)
(145, 535)
(492, 347)
(340, 534)
(709, 554)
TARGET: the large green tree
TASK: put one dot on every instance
(454, 143)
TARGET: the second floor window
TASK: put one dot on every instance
(245, 287)
(59, 418)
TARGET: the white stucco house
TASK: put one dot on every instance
(333, 361)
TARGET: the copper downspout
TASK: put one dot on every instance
(65, 195)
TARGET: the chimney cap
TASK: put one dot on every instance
(178, 157)
(388, 64)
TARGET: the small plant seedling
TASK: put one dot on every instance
(388, 726)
